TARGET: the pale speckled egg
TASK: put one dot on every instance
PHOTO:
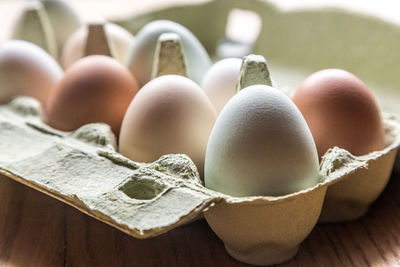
(220, 81)
(340, 111)
(140, 58)
(170, 115)
(260, 146)
(120, 41)
(26, 69)
(94, 89)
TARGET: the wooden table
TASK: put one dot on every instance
(36, 230)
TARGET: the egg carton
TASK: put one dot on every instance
(83, 169)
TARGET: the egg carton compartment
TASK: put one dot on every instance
(362, 178)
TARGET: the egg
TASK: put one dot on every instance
(94, 89)
(340, 111)
(33, 25)
(110, 39)
(260, 146)
(220, 80)
(26, 69)
(140, 57)
(170, 115)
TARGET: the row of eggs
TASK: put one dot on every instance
(54, 26)
(255, 142)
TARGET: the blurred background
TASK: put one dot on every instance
(93, 9)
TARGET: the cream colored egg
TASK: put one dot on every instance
(219, 82)
(169, 115)
(118, 44)
(260, 145)
(26, 69)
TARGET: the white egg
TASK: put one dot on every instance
(26, 69)
(219, 82)
(140, 58)
(260, 145)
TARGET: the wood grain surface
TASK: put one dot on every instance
(36, 230)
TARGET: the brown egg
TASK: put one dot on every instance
(340, 111)
(169, 115)
(94, 89)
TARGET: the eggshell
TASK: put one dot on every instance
(340, 111)
(119, 40)
(26, 69)
(33, 25)
(169, 115)
(219, 82)
(94, 89)
(260, 145)
(140, 58)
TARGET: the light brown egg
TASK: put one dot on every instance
(94, 89)
(340, 111)
(169, 115)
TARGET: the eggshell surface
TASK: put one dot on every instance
(219, 82)
(260, 145)
(140, 58)
(26, 69)
(169, 115)
(120, 41)
(94, 89)
(340, 111)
